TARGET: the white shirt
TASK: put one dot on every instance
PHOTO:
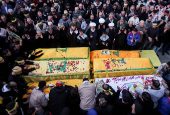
(6, 9)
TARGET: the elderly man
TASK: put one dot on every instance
(82, 10)
(75, 22)
(93, 36)
(156, 91)
(148, 22)
(80, 19)
(111, 19)
(111, 32)
(85, 25)
(131, 12)
(58, 98)
(121, 21)
(87, 96)
(41, 27)
(76, 13)
(141, 28)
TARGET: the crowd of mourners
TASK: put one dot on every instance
(26, 25)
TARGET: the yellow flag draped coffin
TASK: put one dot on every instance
(62, 64)
(115, 67)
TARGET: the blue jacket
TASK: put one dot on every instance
(129, 38)
(164, 106)
(8, 7)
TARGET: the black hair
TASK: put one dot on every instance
(105, 86)
(19, 58)
(41, 84)
(74, 18)
(146, 96)
(81, 30)
(30, 111)
(10, 106)
(134, 29)
(156, 83)
(168, 63)
(104, 32)
(85, 79)
(4, 52)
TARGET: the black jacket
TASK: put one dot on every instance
(59, 99)
(107, 110)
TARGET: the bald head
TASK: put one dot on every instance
(12, 84)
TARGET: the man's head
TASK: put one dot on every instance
(39, 13)
(135, 15)
(10, 11)
(102, 102)
(134, 31)
(30, 21)
(125, 96)
(146, 97)
(20, 61)
(155, 84)
(39, 23)
(3, 2)
(130, 23)
(81, 31)
(92, 25)
(64, 16)
(80, 6)
(12, 85)
(85, 79)
(91, 17)
(141, 23)
(52, 9)
(12, 107)
(111, 15)
(149, 19)
(154, 24)
(111, 25)
(168, 64)
(104, 6)
(137, 7)
(74, 20)
(132, 8)
(59, 84)
(104, 33)
(39, 33)
(76, 9)
(6, 52)
(42, 84)
(80, 18)
(92, 6)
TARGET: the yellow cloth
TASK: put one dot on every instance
(151, 55)
(64, 53)
(115, 67)
(63, 69)
(113, 54)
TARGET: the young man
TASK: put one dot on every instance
(82, 39)
(132, 39)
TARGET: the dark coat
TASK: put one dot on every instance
(106, 110)
(94, 40)
(72, 38)
(59, 99)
